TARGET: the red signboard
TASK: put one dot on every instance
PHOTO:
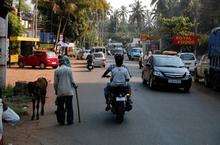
(185, 40)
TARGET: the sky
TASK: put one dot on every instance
(118, 3)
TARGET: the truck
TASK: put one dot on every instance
(212, 74)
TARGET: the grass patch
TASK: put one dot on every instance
(19, 103)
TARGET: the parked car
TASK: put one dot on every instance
(201, 68)
(166, 70)
(42, 59)
(189, 60)
(99, 59)
(135, 53)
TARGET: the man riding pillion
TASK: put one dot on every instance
(119, 76)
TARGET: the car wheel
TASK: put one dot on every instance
(151, 83)
(186, 89)
(42, 66)
(21, 64)
(54, 67)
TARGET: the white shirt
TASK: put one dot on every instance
(63, 81)
(119, 75)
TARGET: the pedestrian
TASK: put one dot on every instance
(64, 89)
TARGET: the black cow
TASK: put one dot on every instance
(38, 91)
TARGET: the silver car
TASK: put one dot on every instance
(99, 59)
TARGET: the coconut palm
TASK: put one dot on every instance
(138, 12)
(123, 13)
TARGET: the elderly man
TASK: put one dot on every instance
(64, 89)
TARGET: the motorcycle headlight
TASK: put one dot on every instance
(158, 73)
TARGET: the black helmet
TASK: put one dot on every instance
(119, 58)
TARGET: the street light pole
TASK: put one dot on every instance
(3, 51)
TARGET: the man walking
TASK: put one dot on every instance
(64, 89)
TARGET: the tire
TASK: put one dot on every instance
(186, 89)
(54, 67)
(42, 66)
(119, 118)
(21, 64)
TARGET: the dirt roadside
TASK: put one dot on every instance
(25, 132)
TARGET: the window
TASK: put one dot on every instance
(187, 56)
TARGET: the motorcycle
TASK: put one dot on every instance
(120, 101)
(90, 65)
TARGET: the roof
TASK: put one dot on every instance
(215, 29)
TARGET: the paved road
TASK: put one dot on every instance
(158, 118)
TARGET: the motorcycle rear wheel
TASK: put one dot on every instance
(119, 118)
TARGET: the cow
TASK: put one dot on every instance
(38, 90)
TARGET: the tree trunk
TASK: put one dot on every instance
(64, 27)
(58, 31)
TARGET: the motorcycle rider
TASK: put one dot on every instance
(90, 58)
(119, 76)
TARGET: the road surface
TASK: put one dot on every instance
(161, 117)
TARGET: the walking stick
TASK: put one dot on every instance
(77, 101)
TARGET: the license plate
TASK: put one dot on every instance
(53, 62)
(174, 81)
(120, 99)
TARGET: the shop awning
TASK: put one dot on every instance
(20, 38)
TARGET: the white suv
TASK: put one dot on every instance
(189, 59)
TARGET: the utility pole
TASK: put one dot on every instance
(36, 15)
(3, 51)
(5, 7)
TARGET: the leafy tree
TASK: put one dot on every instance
(71, 17)
(176, 26)
(14, 25)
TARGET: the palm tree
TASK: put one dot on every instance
(123, 13)
(64, 9)
(137, 16)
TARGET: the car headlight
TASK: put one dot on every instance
(188, 75)
(158, 73)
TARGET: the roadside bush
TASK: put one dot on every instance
(18, 103)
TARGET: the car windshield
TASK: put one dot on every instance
(187, 56)
(136, 50)
(168, 61)
(51, 54)
(98, 55)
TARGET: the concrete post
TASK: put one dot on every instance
(3, 51)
